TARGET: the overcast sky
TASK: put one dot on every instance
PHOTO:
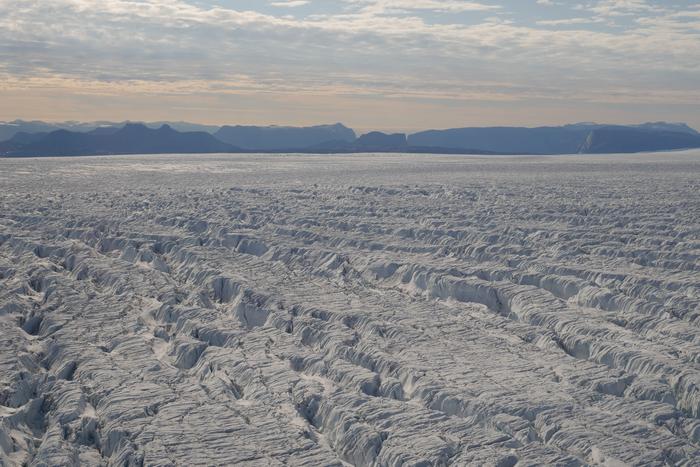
(384, 64)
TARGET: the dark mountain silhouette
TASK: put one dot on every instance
(271, 138)
(663, 126)
(20, 140)
(27, 138)
(9, 129)
(544, 140)
(567, 139)
(105, 130)
(185, 126)
(135, 138)
(626, 140)
(130, 139)
(376, 140)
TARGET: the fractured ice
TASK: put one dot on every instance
(364, 310)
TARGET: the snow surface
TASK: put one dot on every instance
(337, 310)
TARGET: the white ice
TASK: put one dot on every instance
(350, 310)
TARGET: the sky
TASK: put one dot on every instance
(399, 65)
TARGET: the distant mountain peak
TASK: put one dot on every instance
(640, 138)
(678, 127)
(134, 126)
(568, 139)
(270, 138)
(132, 138)
(382, 141)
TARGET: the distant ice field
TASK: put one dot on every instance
(362, 310)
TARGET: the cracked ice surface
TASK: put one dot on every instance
(363, 310)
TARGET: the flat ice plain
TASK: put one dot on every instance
(350, 310)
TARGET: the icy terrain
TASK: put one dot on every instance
(350, 310)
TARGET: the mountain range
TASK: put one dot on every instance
(272, 138)
(37, 138)
(132, 138)
(568, 139)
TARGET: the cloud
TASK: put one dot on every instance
(623, 7)
(395, 49)
(290, 3)
(385, 6)
(568, 21)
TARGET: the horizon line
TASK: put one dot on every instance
(357, 129)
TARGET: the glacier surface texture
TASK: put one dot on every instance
(350, 310)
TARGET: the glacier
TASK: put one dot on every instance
(375, 309)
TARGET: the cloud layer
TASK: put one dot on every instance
(437, 53)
